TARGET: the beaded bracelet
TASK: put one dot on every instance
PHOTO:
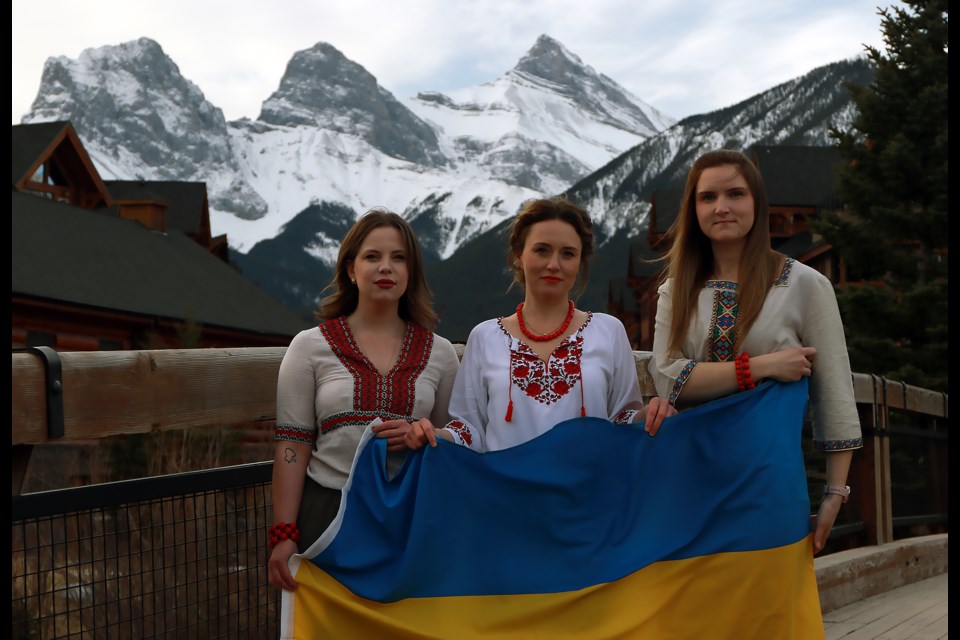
(283, 531)
(744, 379)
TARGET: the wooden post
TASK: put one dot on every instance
(865, 480)
(884, 485)
(872, 471)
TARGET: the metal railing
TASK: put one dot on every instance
(184, 555)
(179, 556)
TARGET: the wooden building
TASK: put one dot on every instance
(800, 183)
(163, 205)
(100, 265)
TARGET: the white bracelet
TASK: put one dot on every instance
(843, 492)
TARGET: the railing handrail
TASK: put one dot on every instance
(107, 393)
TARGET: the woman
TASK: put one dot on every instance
(549, 361)
(372, 356)
(732, 312)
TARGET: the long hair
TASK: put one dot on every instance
(690, 257)
(416, 302)
(556, 208)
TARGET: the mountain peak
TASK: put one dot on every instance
(140, 118)
(550, 60)
(551, 65)
(323, 88)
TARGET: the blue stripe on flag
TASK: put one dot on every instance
(586, 503)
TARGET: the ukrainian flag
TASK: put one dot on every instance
(592, 530)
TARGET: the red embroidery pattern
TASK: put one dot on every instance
(373, 392)
(295, 433)
(545, 382)
(459, 428)
(358, 419)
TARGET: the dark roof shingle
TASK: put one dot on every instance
(70, 254)
(187, 200)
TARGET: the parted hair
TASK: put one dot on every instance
(690, 257)
(556, 208)
(416, 302)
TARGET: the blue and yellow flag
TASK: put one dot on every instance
(592, 530)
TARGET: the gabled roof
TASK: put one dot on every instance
(798, 176)
(799, 245)
(70, 254)
(187, 209)
(33, 144)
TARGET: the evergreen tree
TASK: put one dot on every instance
(893, 234)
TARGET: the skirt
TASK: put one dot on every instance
(318, 508)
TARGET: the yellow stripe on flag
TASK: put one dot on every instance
(732, 595)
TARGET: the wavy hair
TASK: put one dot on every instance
(556, 208)
(416, 304)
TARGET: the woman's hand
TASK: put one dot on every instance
(786, 365)
(422, 432)
(822, 523)
(657, 410)
(393, 432)
(278, 568)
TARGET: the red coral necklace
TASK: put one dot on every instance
(547, 337)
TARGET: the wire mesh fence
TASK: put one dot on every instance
(166, 557)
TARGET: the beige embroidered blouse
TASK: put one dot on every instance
(800, 310)
(328, 392)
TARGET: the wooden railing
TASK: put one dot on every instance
(99, 394)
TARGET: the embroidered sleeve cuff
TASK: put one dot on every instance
(295, 433)
(460, 432)
(838, 445)
(626, 416)
(681, 380)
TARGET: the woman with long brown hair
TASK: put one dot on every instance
(373, 356)
(732, 312)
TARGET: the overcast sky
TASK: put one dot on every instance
(684, 57)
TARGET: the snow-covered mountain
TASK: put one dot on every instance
(798, 112)
(330, 133)
(331, 143)
(139, 119)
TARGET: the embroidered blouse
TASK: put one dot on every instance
(328, 392)
(800, 310)
(593, 368)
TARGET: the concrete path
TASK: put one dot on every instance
(916, 611)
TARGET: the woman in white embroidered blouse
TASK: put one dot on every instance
(549, 361)
(373, 356)
(732, 311)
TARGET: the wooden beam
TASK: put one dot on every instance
(108, 393)
(868, 388)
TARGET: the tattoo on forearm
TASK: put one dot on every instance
(289, 455)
